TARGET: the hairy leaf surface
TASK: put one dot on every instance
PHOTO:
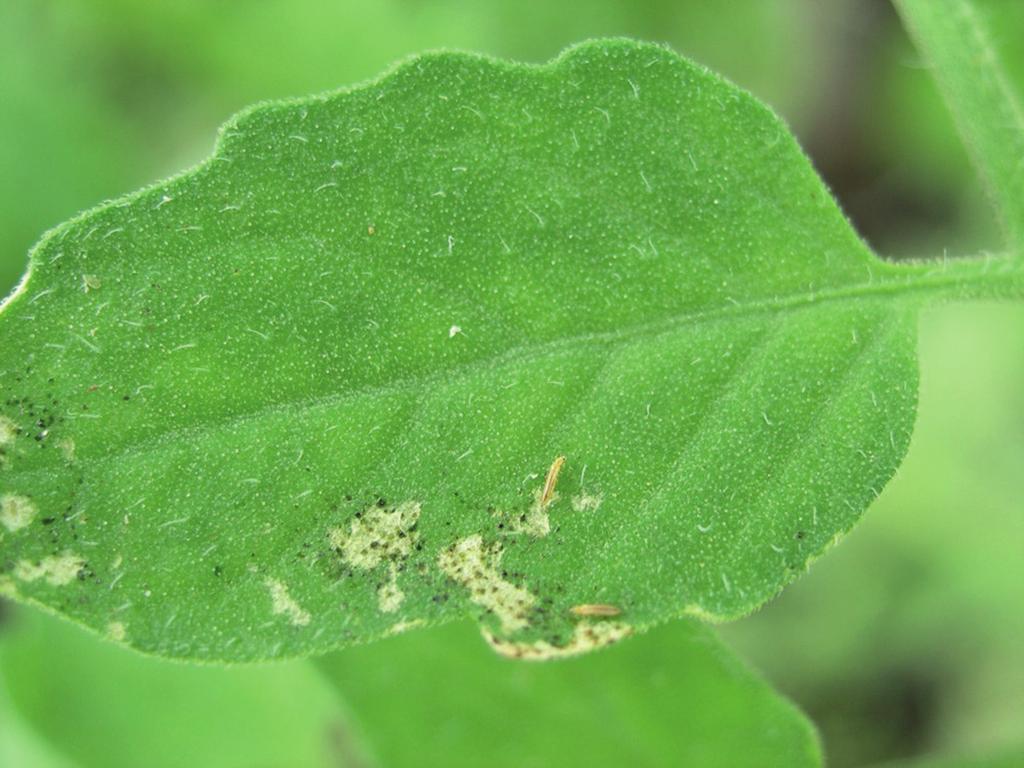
(575, 348)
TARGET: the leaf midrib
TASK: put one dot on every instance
(921, 281)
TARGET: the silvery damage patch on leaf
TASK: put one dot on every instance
(474, 563)
(56, 570)
(381, 535)
(16, 511)
(283, 603)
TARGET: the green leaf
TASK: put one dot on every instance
(673, 697)
(20, 745)
(976, 51)
(676, 695)
(105, 706)
(311, 390)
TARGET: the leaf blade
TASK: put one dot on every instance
(677, 695)
(280, 416)
(95, 703)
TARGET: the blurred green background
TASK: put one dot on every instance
(906, 640)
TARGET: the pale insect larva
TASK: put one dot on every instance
(548, 493)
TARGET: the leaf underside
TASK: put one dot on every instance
(308, 394)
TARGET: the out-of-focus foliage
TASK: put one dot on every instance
(66, 695)
(670, 697)
(924, 194)
(1006, 758)
(975, 51)
(435, 697)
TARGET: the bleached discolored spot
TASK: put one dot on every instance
(474, 565)
(534, 522)
(58, 570)
(16, 511)
(284, 603)
(586, 502)
(703, 614)
(405, 626)
(8, 432)
(67, 447)
(7, 587)
(377, 535)
(116, 631)
(380, 535)
(389, 595)
(586, 637)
